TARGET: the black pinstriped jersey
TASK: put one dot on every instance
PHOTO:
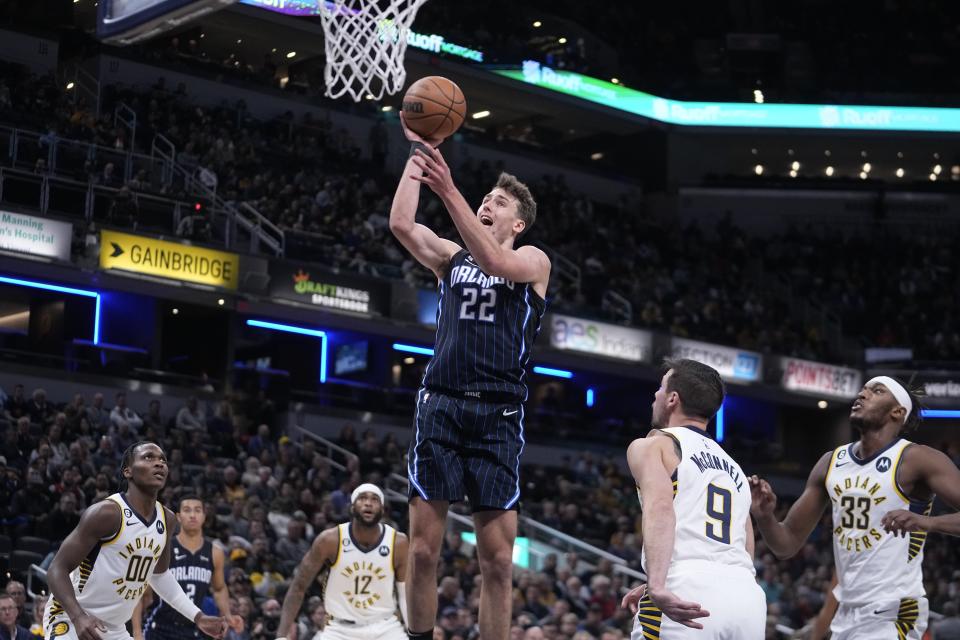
(486, 327)
(194, 572)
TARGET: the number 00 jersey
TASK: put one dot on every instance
(111, 579)
(872, 565)
(711, 499)
(486, 327)
(360, 585)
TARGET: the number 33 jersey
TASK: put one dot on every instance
(872, 565)
(360, 585)
(111, 579)
(711, 499)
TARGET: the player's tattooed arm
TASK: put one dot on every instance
(100, 522)
(937, 475)
(786, 538)
(322, 552)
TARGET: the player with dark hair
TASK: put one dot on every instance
(197, 564)
(366, 562)
(697, 536)
(469, 415)
(881, 491)
(119, 547)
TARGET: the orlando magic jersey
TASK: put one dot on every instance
(111, 579)
(486, 327)
(194, 572)
(872, 565)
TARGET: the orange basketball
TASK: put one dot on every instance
(434, 107)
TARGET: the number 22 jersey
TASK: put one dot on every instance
(111, 579)
(486, 326)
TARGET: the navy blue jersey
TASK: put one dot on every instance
(485, 331)
(193, 571)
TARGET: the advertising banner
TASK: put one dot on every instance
(306, 283)
(819, 378)
(600, 338)
(168, 259)
(36, 236)
(733, 364)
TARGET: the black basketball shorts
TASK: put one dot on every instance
(466, 448)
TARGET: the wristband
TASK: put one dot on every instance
(413, 150)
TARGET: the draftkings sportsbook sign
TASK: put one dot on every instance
(301, 282)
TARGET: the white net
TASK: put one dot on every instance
(365, 44)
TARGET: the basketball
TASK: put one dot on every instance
(434, 107)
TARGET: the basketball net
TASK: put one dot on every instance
(365, 41)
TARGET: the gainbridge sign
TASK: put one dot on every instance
(168, 259)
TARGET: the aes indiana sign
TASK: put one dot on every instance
(302, 282)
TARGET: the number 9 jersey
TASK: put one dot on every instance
(112, 578)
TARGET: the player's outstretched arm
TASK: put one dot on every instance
(526, 264)
(427, 247)
(101, 521)
(786, 538)
(323, 550)
(935, 470)
(649, 459)
(218, 586)
(169, 590)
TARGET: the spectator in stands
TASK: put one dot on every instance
(10, 627)
(195, 226)
(109, 177)
(154, 420)
(62, 520)
(41, 412)
(98, 415)
(122, 415)
(26, 440)
(191, 417)
(947, 627)
(292, 548)
(16, 405)
(18, 591)
(124, 211)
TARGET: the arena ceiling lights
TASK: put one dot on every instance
(34, 284)
(304, 331)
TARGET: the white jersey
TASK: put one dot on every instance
(711, 498)
(360, 585)
(872, 565)
(111, 579)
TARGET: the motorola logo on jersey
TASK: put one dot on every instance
(384, 550)
(159, 526)
(883, 464)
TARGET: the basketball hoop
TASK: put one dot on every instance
(365, 41)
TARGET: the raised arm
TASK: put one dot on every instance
(100, 522)
(526, 264)
(937, 472)
(323, 550)
(427, 247)
(786, 538)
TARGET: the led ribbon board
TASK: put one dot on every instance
(736, 114)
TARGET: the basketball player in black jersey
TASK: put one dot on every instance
(469, 416)
(198, 566)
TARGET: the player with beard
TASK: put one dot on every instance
(121, 545)
(881, 491)
(697, 537)
(367, 562)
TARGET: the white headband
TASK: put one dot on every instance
(366, 488)
(897, 390)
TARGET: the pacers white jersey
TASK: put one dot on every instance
(360, 585)
(711, 498)
(111, 579)
(872, 565)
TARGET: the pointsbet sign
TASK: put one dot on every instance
(168, 259)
